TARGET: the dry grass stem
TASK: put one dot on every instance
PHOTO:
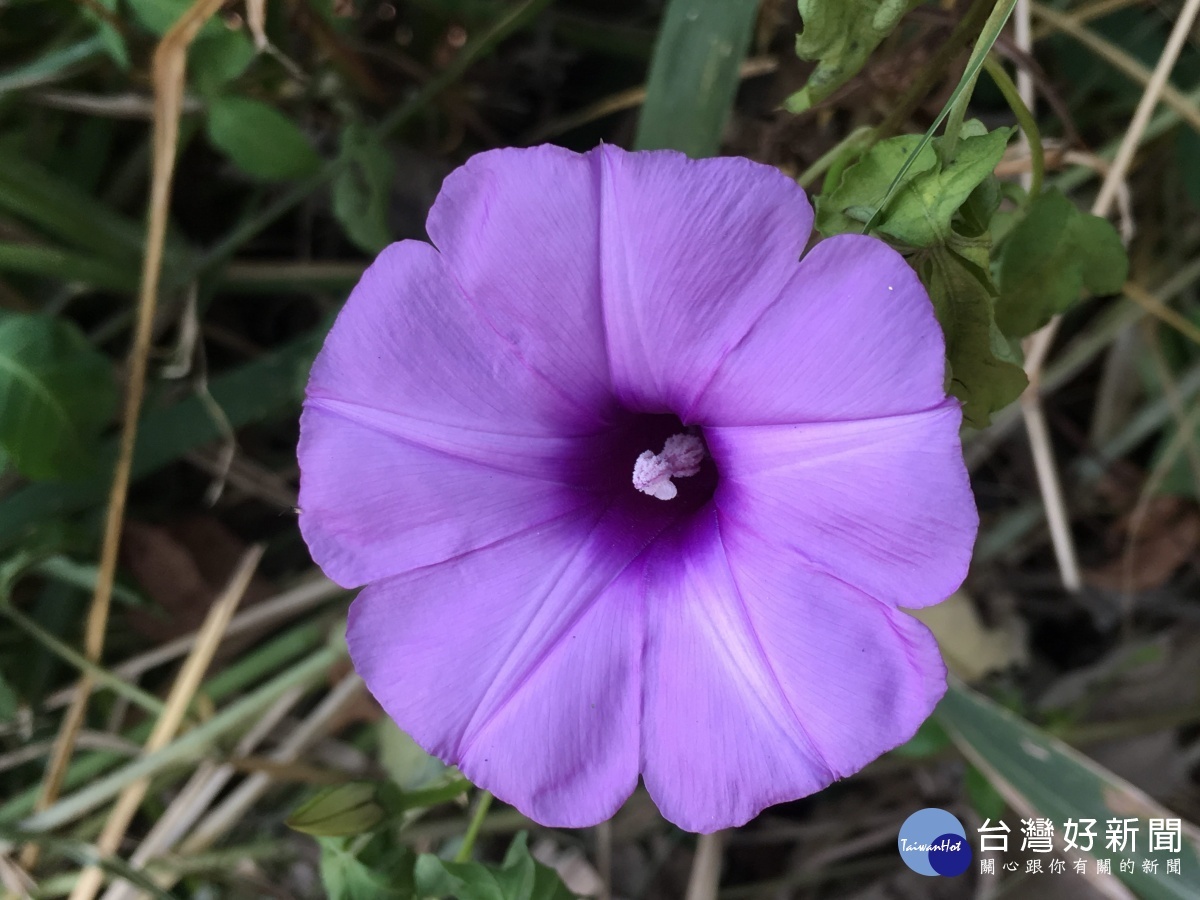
(165, 727)
(1037, 347)
(198, 795)
(292, 602)
(170, 59)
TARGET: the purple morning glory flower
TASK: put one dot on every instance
(636, 490)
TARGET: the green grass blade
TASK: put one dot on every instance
(694, 75)
(60, 209)
(54, 65)
(63, 265)
(1040, 775)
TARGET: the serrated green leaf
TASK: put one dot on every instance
(922, 209)
(362, 188)
(1050, 256)
(839, 35)
(856, 198)
(217, 59)
(260, 140)
(694, 75)
(984, 372)
(339, 810)
(1040, 775)
(56, 394)
(976, 215)
(519, 877)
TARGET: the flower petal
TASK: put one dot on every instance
(764, 680)
(423, 435)
(520, 663)
(519, 228)
(693, 251)
(852, 336)
(882, 504)
(373, 505)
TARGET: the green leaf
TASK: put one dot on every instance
(694, 75)
(1050, 256)
(342, 809)
(346, 877)
(63, 265)
(362, 188)
(519, 877)
(260, 140)
(922, 209)
(55, 206)
(920, 214)
(839, 35)
(1039, 775)
(56, 394)
(984, 372)
(217, 59)
(864, 185)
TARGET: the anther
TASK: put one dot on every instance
(681, 456)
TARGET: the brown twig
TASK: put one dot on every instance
(1038, 345)
(170, 62)
(167, 725)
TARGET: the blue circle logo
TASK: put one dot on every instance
(933, 842)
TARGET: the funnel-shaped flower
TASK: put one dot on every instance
(636, 490)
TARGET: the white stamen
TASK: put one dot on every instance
(681, 456)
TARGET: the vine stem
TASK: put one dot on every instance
(1025, 118)
(482, 805)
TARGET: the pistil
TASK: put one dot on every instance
(680, 457)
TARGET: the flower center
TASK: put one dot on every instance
(680, 458)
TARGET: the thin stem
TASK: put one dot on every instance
(835, 160)
(468, 844)
(1033, 135)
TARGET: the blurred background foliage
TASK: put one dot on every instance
(314, 132)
